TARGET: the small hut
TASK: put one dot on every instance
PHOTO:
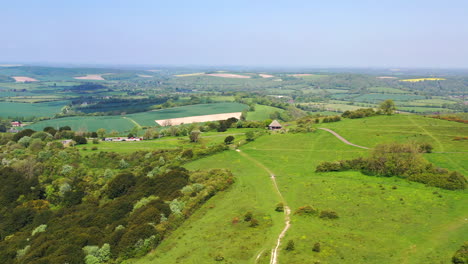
(275, 125)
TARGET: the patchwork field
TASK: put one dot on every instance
(126, 123)
(94, 77)
(373, 212)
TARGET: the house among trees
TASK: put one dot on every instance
(275, 125)
(15, 123)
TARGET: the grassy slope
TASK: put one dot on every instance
(262, 112)
(209, 232)
(432, 226)
(378, 224)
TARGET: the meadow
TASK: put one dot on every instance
(381, 220)
(262, 112)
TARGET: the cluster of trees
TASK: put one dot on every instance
(400, 160)
(60, 206)
(359, 113)
(331, 119)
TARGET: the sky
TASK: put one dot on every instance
(293, 33)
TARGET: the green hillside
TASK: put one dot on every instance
(381, 220)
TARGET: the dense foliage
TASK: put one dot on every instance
(60, 206)
(401, 160)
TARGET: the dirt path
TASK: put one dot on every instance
(287, 211)
(342, 138)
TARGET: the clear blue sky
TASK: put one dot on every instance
(398, 33)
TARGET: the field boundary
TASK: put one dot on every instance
(342, 138)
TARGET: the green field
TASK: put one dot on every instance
(382, 220)
(375, 98)
(126, 123)
(387, 90)
(262, 112)
(13, 109)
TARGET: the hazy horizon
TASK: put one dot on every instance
(301, 34)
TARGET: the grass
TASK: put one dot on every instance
(262, 112)
(382, 220)
(206, 139)
(210, 231)
(14, 109)
(87, 123)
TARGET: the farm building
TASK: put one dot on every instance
(15, 123)
(275, 125)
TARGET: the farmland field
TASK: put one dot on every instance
(127, 122)
(13, 109)
(374, 98)
(262, 112)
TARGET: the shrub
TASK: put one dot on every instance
(290, 246)
(94, 148)
(80, 140)
(328, 214)
(120, 185)
(39, 229)
(228, 140)
(316, 247)
(279, 207)
(461, 256)
(253, 222)
(95, 141)
(248, 216)
(306, 210)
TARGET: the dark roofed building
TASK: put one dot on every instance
(274, 125)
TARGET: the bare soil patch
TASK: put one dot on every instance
(24, 79)
(145, 76)
(94, 77)
(266, 75)
(386, 77)
(228, 75)
(196, 119)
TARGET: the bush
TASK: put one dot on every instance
(228, 140)
(306, 210)
(290, 246)
(80, 140)
(94, 148)
(279, 207)
(120, 185)
(253, 222)
(316, 247)
(248, 216)
(95, 141)
(461, 256)
(328, 214)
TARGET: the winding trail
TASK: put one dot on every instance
(342, 138)
(287, 210)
